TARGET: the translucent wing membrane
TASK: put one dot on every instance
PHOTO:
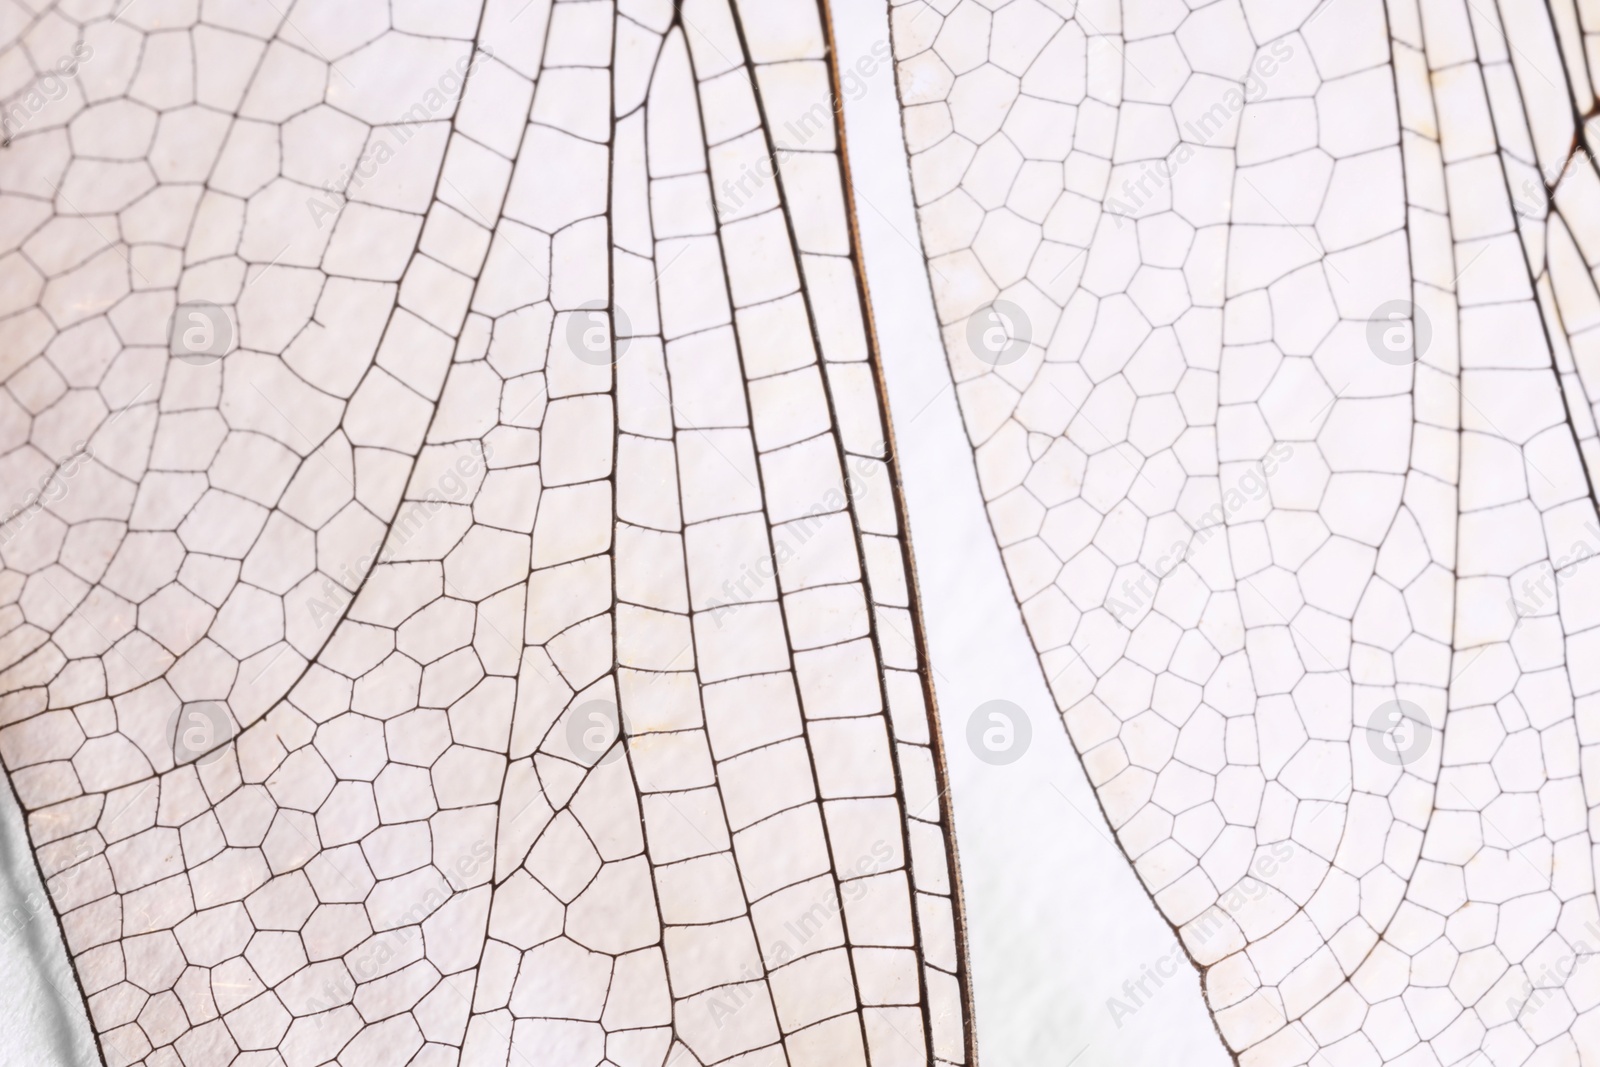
(1275, 358)
(456, 606)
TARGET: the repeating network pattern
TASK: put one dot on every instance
(380, 456)
(1273, 325)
